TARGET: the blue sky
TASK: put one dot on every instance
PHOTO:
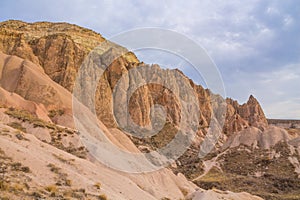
(255, 44)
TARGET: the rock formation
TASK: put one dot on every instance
(243, 116)
(61, 48)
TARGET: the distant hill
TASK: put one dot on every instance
(285, 123)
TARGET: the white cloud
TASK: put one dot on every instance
(277, 91)
(288, 21)
(272, 11)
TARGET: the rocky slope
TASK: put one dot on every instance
(50, 161)
(264, 163)
(39, 66)
(30, 121)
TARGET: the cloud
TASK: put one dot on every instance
(276, 90)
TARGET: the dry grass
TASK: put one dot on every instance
(62, 178)
(51, 188)
(68, 182)
(18, 126)
(184, 191)
(102, 197)
(17, 187)
(25, 116)
(161, 139)
(97, 185)
(18, 167)
(56, 133)
(63, 160)
(3, 186)
(53, 168)
(278, 181)
(54, 113)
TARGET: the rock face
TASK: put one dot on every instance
(61, 48)
(243, 116)
(58, 47)
(26, 81)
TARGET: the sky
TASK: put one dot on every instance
(254, 43)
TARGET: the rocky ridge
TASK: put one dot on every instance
(60, 49)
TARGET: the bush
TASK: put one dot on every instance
(16, 166)
(25, 169)
(51, 188)
(102, 197)
(97, 185)
(54, 113)
(53, 168)
(68, 182)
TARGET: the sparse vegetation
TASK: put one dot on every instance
(18, 167)
(17, 187)
(20, 114)
(3, 185)
(51, 188)
(102, 197)
(62, 178)
(5, 130)
(2, 105)
(54, 113)
(25, 116)
(80, 152)
(277, 179)
(62, 159)
(4, 198)
(97, 185)
(56, 133)
(53, 168)
(78, 193)
(162, 138)
(189, 164)
(18, 126)
(68, 182)
(13, 178)
(36, 194)
(184, 191)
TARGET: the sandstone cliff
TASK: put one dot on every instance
(243, 116)
(61, 48)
